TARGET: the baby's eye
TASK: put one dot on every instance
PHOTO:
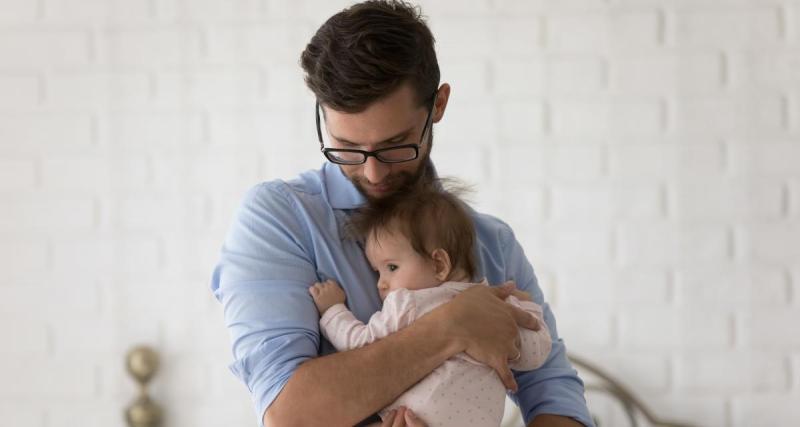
(392, 267)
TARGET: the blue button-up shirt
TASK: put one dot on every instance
(288, 235)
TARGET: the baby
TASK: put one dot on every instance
(421, 245)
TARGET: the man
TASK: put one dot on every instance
(374, 72)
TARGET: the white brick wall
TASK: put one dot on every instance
(647, 153)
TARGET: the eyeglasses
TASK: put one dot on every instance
(397, 154)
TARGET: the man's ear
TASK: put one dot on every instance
(441, 264)
(442, 96)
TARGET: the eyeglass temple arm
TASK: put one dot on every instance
(319, 129)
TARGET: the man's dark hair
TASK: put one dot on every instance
(429, 216)
(367, 51)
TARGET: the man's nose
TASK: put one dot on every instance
(375, 170)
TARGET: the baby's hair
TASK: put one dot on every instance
(430, 216)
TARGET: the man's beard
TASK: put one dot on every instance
(401, 182)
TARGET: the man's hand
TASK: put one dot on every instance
(486, 327)
(326, 294)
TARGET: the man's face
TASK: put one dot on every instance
(395, 120)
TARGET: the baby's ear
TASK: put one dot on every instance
(441, 264)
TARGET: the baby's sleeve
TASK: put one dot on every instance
(346, 332)
(534, 345)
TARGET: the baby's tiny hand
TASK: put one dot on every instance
(326, 294)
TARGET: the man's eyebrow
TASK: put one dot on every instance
(400, 136)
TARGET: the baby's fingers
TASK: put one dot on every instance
(315, 289)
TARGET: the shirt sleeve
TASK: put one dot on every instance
(555, 387)
(534, 345)
(346, 332)
(262, 281)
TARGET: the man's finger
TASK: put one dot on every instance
(525, 319)
(522, 295)
(503, 291)
(505, 374)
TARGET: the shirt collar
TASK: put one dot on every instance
(342, 193)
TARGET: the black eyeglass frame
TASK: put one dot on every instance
(328, 152)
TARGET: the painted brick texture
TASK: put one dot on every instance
(646, 153)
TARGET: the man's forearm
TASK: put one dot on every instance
(346, 387)
(548, 420)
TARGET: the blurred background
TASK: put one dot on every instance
(646, 152)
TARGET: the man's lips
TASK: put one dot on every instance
(378, 188)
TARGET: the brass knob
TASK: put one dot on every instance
(142, 364)
(143, 413)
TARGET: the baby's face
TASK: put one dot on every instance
(398, 265)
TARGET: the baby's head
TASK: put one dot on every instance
(418, 240)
